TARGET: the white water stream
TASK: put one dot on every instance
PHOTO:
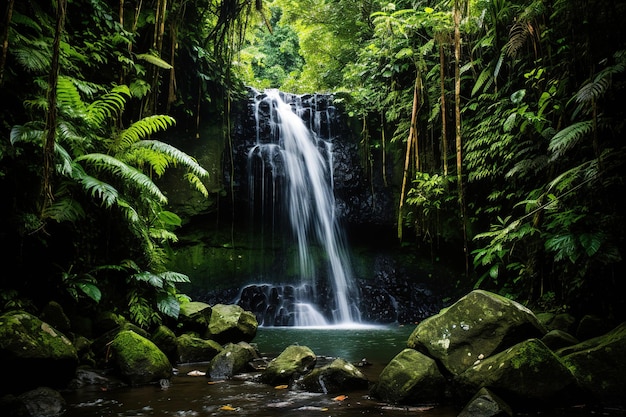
(302, 154)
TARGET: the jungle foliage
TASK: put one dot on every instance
(506, 137)
(497, 124)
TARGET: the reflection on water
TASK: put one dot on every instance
(243, 396)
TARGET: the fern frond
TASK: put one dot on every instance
(128, 210)
(34, 56)
(593, 89)
(140, 157)
(517, 37)
(162, 234)
(124, 172)
(197, 183)
(64, 209)
(108, 106)
(32, 132)
(176, 156)
(100, 189)
(568, 138)
(144, 128)
(69, 99)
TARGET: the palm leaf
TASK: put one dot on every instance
(154, 60)
(124, 172)
(171, 276)
(568, 138)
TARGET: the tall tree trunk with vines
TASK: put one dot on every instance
(457, 113)
(51, 117)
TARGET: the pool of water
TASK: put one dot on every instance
(242, 396)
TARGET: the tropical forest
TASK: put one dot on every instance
(473, 148)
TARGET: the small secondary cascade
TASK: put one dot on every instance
(290, 178)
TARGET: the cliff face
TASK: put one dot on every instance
(228, 243)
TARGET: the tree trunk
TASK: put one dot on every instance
(5, 41)
(51, 117)
(444, 120)
(457, 113)
(412, 139)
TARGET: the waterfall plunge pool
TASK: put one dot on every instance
(197, 396)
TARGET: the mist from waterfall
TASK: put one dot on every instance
(292, 172)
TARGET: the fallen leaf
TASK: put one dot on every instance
(340, 397)
(324, 409)
(227, 408)
(215, 382)
(196, 373)
(281, 386)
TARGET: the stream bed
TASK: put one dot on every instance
(242, 396)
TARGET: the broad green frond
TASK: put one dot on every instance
(140, 157)
(149, 277)
(124, 172)
(197, 183)
(128, 210)
(99, 189)
(168, 218)
(154, 60)
(29, 132)
(64, 209)
(176, 156)
(168, 304)
(34, 57)
(108, 106)
(162, 235)
(568, 138)
(66, 166)
(171, 276)
(144, 128)
(69, 99)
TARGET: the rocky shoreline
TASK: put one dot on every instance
(485, 353)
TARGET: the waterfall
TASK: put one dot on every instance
(290, 177)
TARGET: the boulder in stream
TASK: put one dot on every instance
(338, 376)
(230, 323)
(478, 325)
(292, 362)
(40, 354)
(233, 359)
(138, 360)
(599, 365)
(192, 348)
(410, 378)
(527, 375)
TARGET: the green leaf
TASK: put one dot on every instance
(90, 290)
(168, 304)
(154, 60)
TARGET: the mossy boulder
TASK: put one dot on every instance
(233, 359)
(557, 339)
(410, 378)
(486, 404)
(527, 375)
(138, 360)
(338, 376)
(478, 325)
(230, 323)
(194, 316)
(166, 340)
(41, 355)
(192, 348)
(292, 362)
(599, 365)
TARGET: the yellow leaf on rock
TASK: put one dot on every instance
(340, 397)
(227, 408)
(281, 386)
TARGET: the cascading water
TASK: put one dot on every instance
(290, 174)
